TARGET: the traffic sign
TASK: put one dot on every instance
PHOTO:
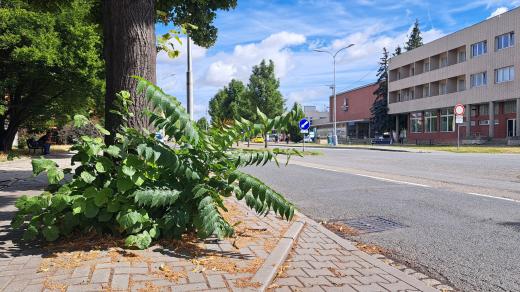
(304, 131)
(459, 119)
(459, 109)
(304, 124)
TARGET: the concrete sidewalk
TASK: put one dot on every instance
(319, 260)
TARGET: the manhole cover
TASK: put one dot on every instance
(372, 224)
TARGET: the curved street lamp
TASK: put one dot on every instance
(334, 131)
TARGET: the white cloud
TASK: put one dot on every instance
(238, 64)
(498, 11)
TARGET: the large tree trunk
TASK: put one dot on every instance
(129, 48)
(7, 136)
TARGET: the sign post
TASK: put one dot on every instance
(304, 129)
(459, 119)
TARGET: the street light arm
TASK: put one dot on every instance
(323, 51)
(344, 48)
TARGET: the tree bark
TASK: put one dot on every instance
(129, 49)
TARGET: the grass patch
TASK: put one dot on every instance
(22, 153)
(471, 149)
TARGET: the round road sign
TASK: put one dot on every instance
(304, 124)
(459, 109)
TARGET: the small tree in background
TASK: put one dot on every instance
(415, 38)
(294, 127)
(397, 51)
(203, 124)
(263, 91)
(381, 121)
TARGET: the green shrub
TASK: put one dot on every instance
(143, 189)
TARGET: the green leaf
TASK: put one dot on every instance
(101, 198)
(91, 210)
(129, 219)
(128, 170)
(124, 184)
(103, 165)
(140, 241)
(30, 233)
(113, 206)
(156, 197)
(113, 151)
(104, 215)
(79, 206)
(102, 130)
(80, 121)
(87, 177)
(51, 233)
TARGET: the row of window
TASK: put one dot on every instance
(429, 123)
(503, 41)
(501, 75)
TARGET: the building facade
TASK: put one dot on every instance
(352, 114)
(316, 116)
(474, 67)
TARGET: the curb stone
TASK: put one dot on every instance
(267, 272)
(369, 258)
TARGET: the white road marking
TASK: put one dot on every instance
(369, 176)
(493, 197)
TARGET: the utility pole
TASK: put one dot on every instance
(189, 82)
(334, 130)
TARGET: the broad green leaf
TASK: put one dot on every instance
(87, 177)
(101, 198)
(129, 219)
(140, 241)
(91, 210)
(80, 121)
(102, 130)
(113, 151)
(51, 233)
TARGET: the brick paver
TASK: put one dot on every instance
(321, 261)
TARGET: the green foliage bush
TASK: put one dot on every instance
(143, 189)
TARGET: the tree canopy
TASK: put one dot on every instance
(380, 119)
(229, 103)
(263, 90)
(50, 66)
(415, 38)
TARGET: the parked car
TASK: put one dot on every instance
(385, 139)
(258, 140)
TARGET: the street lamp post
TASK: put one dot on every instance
(189, 81)
(334, 130)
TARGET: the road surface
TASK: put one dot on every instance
(460, 213)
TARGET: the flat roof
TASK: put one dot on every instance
(356, 88)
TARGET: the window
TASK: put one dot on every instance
(430, 121)
(504, 41)
(510, 107)
(483, 110)
(504, 74)
(345, 104)
(426, 66)
(426, 90)
(461, 85)
(447, 120)
(443, 88)
(462, 56)
(444, 62)
(479, 79)
(417, 122)
(478, 49)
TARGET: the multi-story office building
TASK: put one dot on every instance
(474, 67)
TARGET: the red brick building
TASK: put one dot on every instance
(352, 113)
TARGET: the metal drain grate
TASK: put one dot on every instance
(372, 224)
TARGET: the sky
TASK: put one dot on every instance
(287, 31)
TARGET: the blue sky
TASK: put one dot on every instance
(287, 31)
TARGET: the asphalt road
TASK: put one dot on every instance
(450, 229)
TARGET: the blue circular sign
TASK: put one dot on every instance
(304, 124)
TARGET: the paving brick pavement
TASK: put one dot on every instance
(322, 261)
